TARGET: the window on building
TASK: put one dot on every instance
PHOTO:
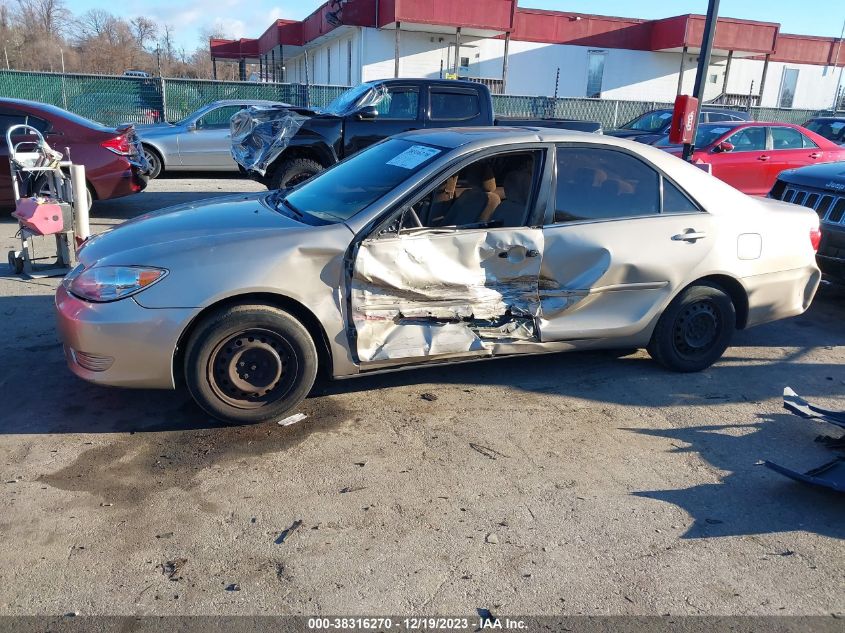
(601, 184)
(595, 72)
(349, 62)
(788, 83)
(454, 105)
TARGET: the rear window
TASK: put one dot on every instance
(453, 105)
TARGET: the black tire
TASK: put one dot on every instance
(40, 187)
(154, 159)
(292, 172)
(232, 342)
(695, 330)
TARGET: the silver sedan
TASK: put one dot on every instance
(199, 142)
(431, 247)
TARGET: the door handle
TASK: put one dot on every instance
(816, 155)
(764, 157)
(690, 235)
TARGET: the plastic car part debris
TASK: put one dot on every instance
(800, 407)
(287, 532)
(261, 133)
(830, 475)
(292, 419)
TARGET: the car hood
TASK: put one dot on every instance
(830, 176)
(203, 221)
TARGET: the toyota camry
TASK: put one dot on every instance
(434, 246)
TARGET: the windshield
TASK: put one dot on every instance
(342, 191)
(650, 122)
(704, 137)
(831, 129)
(344, 103)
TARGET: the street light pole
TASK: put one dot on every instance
(703, 67)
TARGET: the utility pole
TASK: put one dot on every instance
(835, 60)
(703, 67)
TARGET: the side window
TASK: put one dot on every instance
(786, 138)
(453, 105)
(493, 192)
(218, 118)
(399, 103)
(676, 201)
(714, 117)
(808, 142)
(749, 139)
(603, 184)
(8, 118)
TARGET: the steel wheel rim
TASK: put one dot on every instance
(697, 329)
(252, 368)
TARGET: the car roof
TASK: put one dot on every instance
(827, 118)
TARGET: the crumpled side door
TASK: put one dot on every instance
(433, 293)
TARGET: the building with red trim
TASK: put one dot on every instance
(524, 51)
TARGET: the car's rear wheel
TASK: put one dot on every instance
(154, 161)
(249, 363)
(289, 173)
(695, 330)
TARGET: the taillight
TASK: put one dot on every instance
(815, 238)
(118, 145)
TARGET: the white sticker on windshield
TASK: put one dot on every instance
(665, 115)
(413, 156)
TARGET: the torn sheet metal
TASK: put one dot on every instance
(432, 293)
(261, 133)
(830, 475)
(796, 404)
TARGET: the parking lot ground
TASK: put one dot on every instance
(563, 484)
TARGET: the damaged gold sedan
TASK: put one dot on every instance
(432, 247)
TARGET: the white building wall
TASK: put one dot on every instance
(533, 67)
(329, 62)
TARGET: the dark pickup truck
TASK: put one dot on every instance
(281, 146)
(821, 188)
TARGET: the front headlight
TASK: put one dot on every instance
(110, 283)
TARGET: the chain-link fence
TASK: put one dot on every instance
(112, 100)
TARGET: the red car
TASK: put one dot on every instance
(113, 158)
(750, 155)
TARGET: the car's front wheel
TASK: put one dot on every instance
(695, 330)
(291, 172)
(249, 363)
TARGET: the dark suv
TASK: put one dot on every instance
(830, 127)
(652, 126)
(820, 187)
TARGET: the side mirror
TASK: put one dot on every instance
(192, 127)
(367, 113)
(724, 146)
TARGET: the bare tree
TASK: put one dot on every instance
(144, 29)
(92, 24)
(49, 17)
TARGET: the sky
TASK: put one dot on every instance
(249, 18)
